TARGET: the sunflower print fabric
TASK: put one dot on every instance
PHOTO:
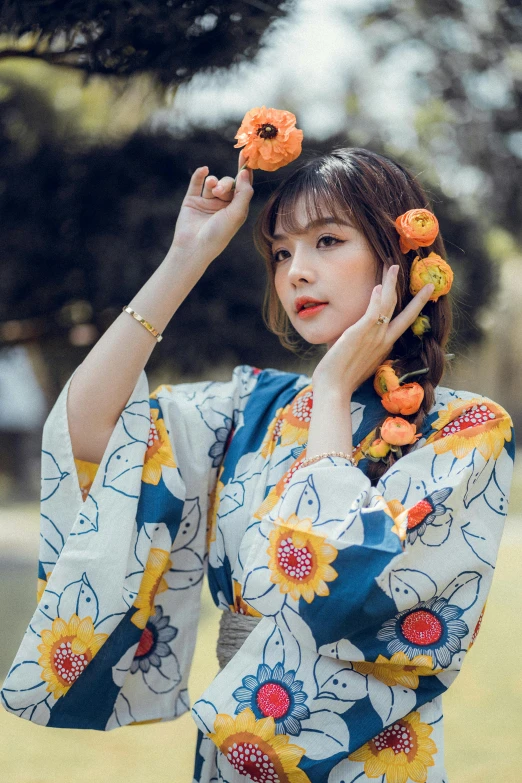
(368, 597)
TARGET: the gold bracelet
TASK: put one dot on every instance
(143, 322)
(311, 460)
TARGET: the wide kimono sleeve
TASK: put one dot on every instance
(122, 557)
(370, 597)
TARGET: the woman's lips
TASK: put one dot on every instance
(306, 311)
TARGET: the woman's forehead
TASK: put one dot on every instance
(304, 215)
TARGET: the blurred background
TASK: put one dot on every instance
(106, 109)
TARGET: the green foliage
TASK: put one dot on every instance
(172, 39)
(466, 74)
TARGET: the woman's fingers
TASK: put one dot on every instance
(208, 185)
(374, 305)
(241, 162)
(406, 317)
(224, 188)
(389, 290)
(196, 181)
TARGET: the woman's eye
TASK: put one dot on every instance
(275, 258)
(334, 241)
(329, 237)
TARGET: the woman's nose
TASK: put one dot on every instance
(301, 266)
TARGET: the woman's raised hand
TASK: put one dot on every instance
(361, 348)
(212, 211)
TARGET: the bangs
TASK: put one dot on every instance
(321, 196)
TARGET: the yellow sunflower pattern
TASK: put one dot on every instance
(213, 506)
(67, 649)
(86, 472)
(399, 669)
(273, 434)
(467, 424)
(41, 585)
(300, 559)
(254, 749)
(296, 417)
(152, 583)
(402, 751)
(240, 606)
(159, 450)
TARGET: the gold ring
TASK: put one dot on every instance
(382, 319)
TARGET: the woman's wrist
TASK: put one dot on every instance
(330, 424)
(177, 255)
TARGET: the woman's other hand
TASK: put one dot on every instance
(212, 211)
(362, 347)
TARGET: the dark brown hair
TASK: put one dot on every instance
(373, 190)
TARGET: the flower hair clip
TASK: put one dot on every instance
(420, 228)
(397, 397)
(432, 269)
(394, 433)
(417, 228)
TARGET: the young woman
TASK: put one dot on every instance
(352, 577)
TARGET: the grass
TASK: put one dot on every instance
(483, 708)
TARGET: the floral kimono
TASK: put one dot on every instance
(368, 597)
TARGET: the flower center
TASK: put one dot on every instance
(277, 429)
(418, 513)
(146, 643)
(267, 131)
(471, 418)
(398, 737)
(66, 664)
(153, 441)
(296, 563)
(248, 758)
(302, 407)
(273, 700)
(422, 628)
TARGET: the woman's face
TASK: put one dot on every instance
(330, 262)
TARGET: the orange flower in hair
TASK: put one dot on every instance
(405, 400)
(417, 228)
(385, 379)
(398, 432)
(269, 137)
(432, 269)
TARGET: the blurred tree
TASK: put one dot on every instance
(447, 77)
(83, 229)
(174, 40)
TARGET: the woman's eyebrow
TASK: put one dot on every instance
(313, 224)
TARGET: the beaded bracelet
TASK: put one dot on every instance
(143, 322)
(311, 460)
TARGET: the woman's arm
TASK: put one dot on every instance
(103, 383)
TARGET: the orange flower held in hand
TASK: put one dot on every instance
(404, 400)
(417, 228)
(398, 432)
(432, 269)
(270, 138)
